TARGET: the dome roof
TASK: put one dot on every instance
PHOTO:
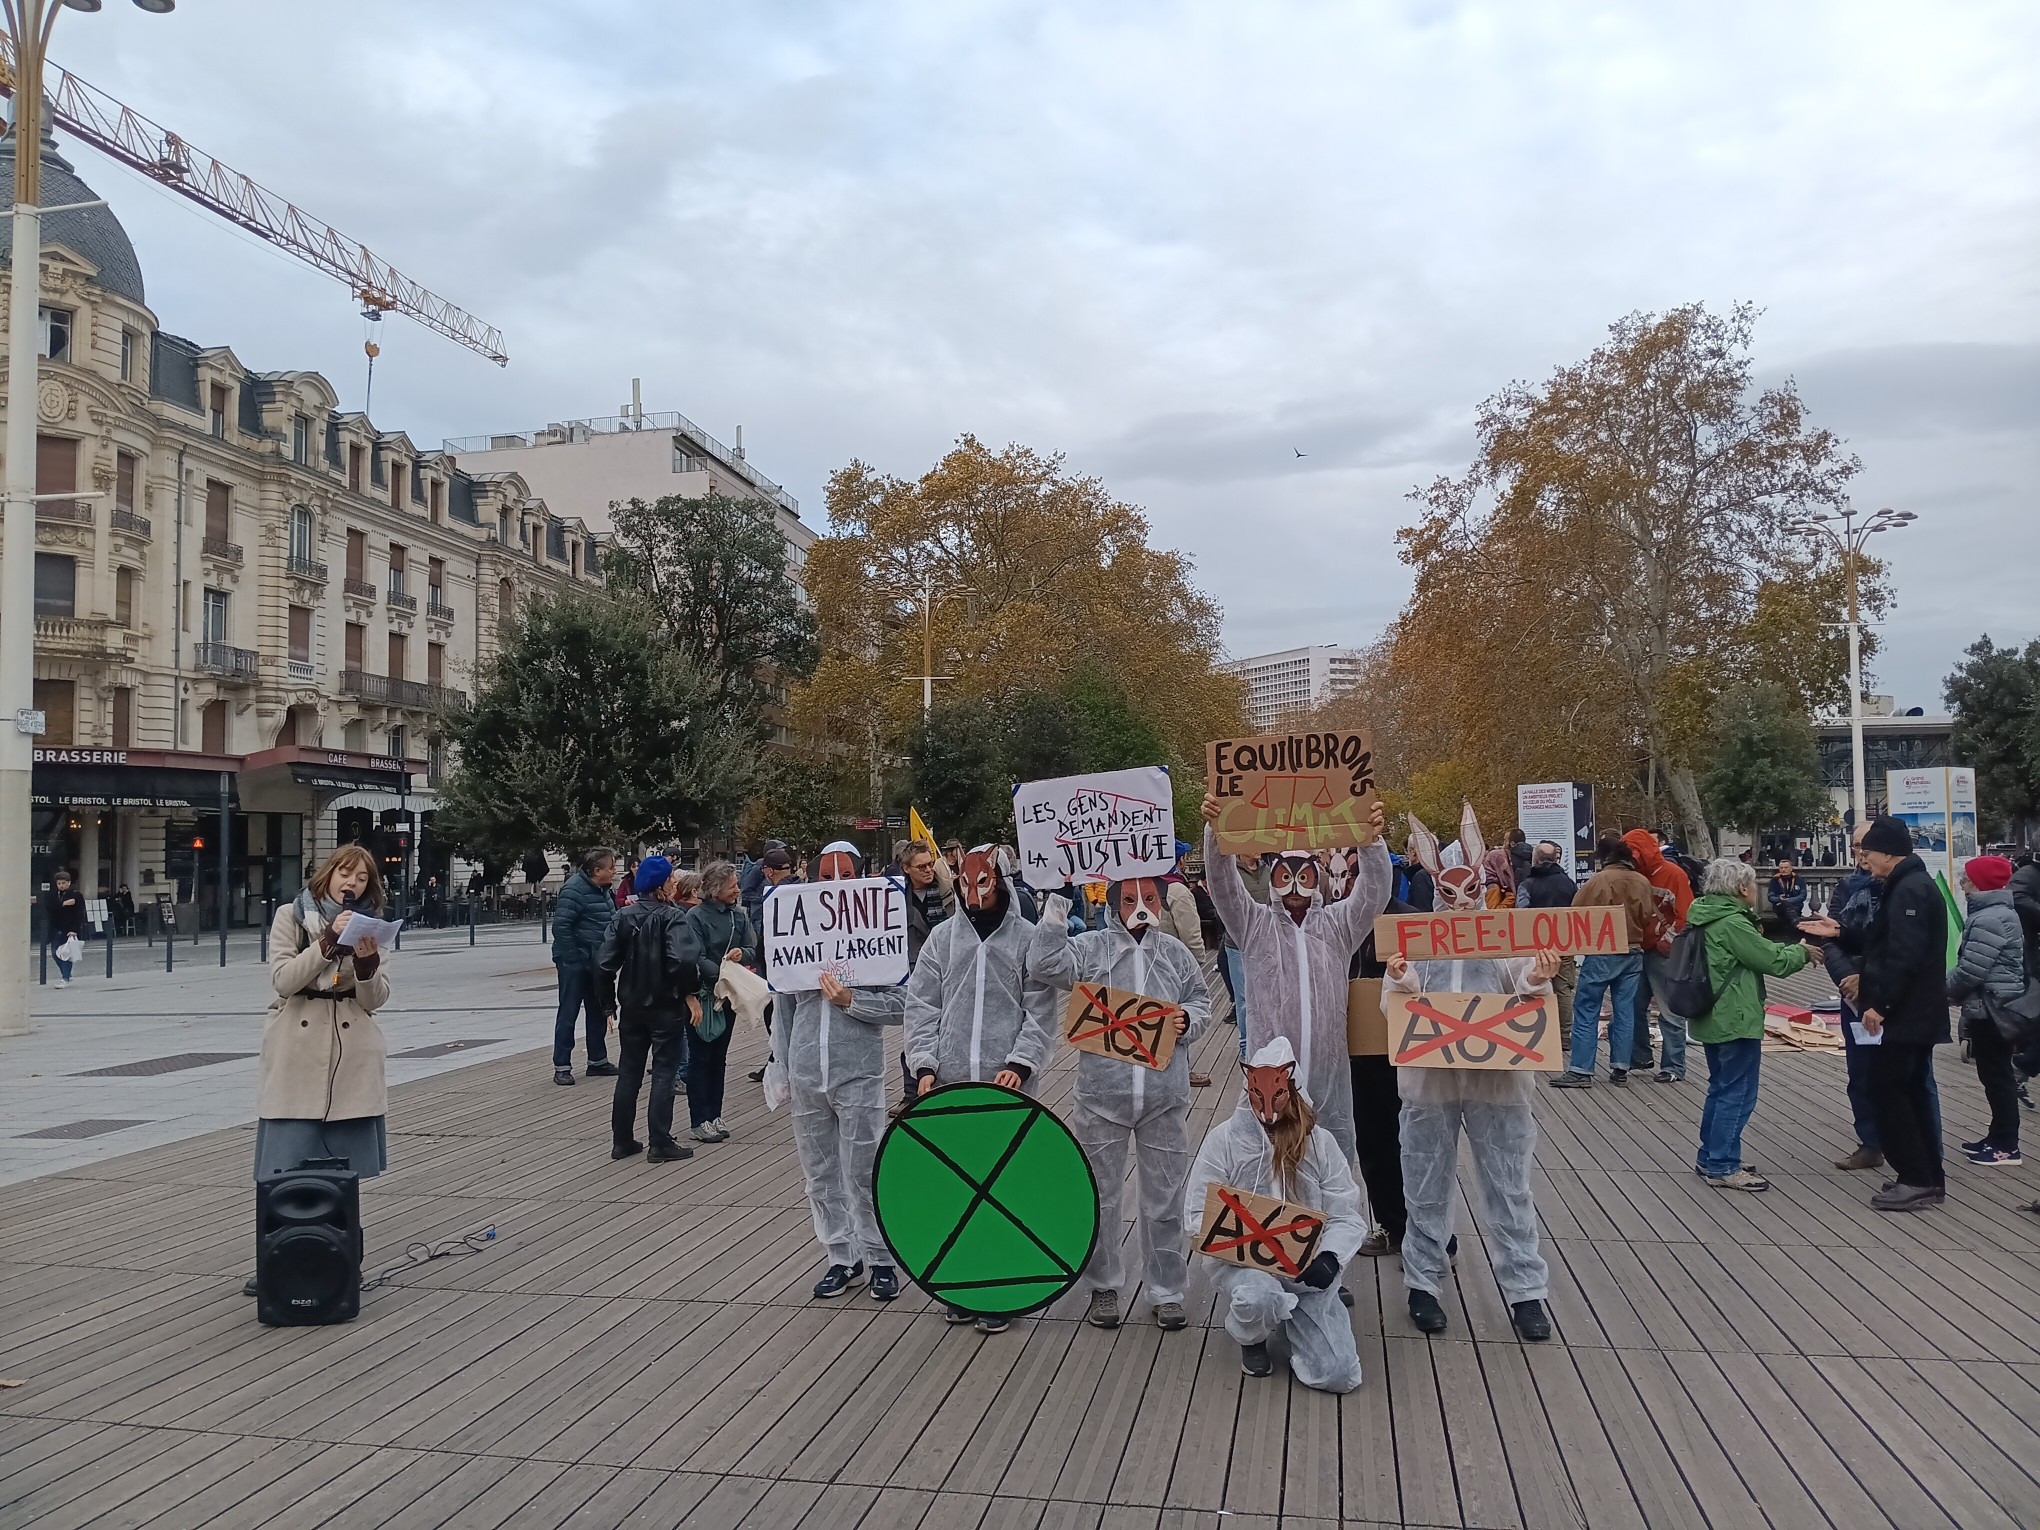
(95, 233)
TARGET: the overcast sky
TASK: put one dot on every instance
(1180, 242)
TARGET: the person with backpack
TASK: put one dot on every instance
(1990, 974)
(1717, 971)
(651, 952)
(1674, 895)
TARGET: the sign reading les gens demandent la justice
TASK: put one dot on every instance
(1503, 932)
(1292, 791)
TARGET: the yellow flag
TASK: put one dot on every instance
(920, 831)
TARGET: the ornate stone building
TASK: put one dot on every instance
(259, 602)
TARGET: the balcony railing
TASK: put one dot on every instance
(302, 671)
(360, 588)
(64, 510)
(79, 637)
(437, 608)
(307, 568)
(128, 521)
(389, 691)
(402, 601)
(226, 660)
(221, 548)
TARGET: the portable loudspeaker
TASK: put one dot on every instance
(308, 1246)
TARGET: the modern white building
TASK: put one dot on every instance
(581, 467)
(1296, 678)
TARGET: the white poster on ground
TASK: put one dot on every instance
(1545, 811)
(856, 931)
(1096, 828)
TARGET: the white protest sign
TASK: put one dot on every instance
(856, 931)
(1096, 828)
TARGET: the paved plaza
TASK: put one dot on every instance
(637, 1346)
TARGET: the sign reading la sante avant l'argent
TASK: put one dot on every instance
(855, 931)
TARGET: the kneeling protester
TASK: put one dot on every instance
(1272, 1148)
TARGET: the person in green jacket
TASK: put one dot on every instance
(1739, 958)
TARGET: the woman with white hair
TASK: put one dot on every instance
(1739, 958)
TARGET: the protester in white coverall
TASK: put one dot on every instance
(1275, 1122)
(1492, 1106)
(833, 1045)
(1135, 954)
(1295, 953)
(974, 1010)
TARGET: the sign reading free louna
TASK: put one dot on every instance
(1503, 932)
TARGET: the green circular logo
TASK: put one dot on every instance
(986, 1199)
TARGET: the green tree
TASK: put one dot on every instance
(799, 798)
(1995, 695)
(1765, 769)
(958, 772)
(589, 728)
(713, 573)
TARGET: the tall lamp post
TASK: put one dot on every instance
(1841, 528)
(28, 23)
(930, 599)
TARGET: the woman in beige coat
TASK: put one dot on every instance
(323, 1091)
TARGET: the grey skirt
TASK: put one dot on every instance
(280, 1146)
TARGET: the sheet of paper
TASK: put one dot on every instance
(1863, 1037)
(361, 926)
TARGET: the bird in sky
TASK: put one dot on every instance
(1299, 453)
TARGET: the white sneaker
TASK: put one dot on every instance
(706, 1132)
(62, 982)
(722, 1133)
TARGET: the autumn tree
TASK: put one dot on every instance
(1025, 574)
(1615, 557)
(1764, 769)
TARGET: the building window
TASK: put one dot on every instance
(397, 743)
(303, 534)
(357, 556)
(214, 628)
(57, 700)
(56, 585)
(212, 728)
(396, 569)
(219, 511)
(397, 655)
(123, 716)
(216, 409)
(436, 490)
(56, 332)
(396, 485)
(354, 456)
(435, 584)
(124, 465)
(301, 634)
(435, 663)
(503, 528)
(506, 605)
(184, 607)
(300, 439)
(127, 355)
(56, 472)
(357, 646)
(124, 596)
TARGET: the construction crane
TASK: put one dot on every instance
(86, 112)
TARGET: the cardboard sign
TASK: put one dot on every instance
(1110, 1022)
(1291, 791)
(1096, 828)
(1502, 932)
(856, 931)
(1476, 1030)
(1259, 1232)
(1366, 1021)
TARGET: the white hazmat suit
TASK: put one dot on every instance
(1296, 974)
(835, 1065)
(972, 1006)
(1113, 1099)
(1256, 1304)
(1492, 1106)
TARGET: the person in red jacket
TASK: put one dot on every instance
(1674, 892)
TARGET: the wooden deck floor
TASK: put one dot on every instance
(638, 1348)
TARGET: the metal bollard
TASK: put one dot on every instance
(268, 914)
(109, 948)
(471, 921)
(169, 948)
(45, 978)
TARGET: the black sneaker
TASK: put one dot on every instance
(1977, 1146)
(756, 1077)
(1254, 1359)
(885, 1283)
(1426, 1313)
(250, 1287)
(668, 1152)
(563, 1075)
(602, 1070)
(956, 1316)
(1533, 1323)
(1619, 1077)
(839, 1279)
(993, 1324)
(625, 1150)
(1571, 1080)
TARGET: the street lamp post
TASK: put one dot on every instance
(930, 598)
(29, 23)
(1840, 527)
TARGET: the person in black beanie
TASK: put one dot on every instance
(1904, 1004)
